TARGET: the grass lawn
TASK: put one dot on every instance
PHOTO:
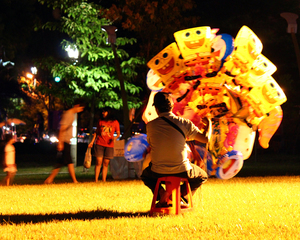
(239, 208)
(261, 202)
(35, 162)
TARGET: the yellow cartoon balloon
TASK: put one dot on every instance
(167, 63)
(266, 97)
(257, 75)
(194, 45)
(247, 47)
(226, 81)
(262, 67)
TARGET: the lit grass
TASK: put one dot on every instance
(32, 175)
(239, 208)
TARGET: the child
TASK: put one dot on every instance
(9, 159)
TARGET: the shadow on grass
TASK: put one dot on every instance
(82, 215)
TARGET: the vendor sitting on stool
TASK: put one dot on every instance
(167, 138)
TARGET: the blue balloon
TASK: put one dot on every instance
(223, 46)
(229, 42)
(232, 163)
(136, 147)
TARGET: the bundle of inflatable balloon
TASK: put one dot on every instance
(225, 80)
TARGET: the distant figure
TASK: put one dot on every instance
(40, 126)
(104, 147)
(9, 163)
(64, 146)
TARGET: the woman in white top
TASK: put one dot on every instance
(9, 164)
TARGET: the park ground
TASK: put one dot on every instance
(35, 161)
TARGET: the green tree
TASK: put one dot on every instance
(93, 75)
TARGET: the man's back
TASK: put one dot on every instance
(168, 149)
(67, 121)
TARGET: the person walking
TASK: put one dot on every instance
(167, 136)
(9, 163)
(64, 146)
(40, 126)
(104, 139)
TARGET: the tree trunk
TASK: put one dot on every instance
(123, 95)
(92, 118)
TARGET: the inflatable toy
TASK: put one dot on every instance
(136, 148)
(153, 81)
(225, 80)
(194, 45)
(167, 64)
(150, 112)
(268, 126)
(243, 140)
(229, 165)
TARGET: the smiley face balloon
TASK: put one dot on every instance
(167, 63)
(194, 45)
(225, 80)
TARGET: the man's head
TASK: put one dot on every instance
(163, 102)
(79, 105)
(8, 137)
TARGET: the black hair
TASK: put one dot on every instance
(80, 101)
(7, 137)
(163, 102)
(110, 115)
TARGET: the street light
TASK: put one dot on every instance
(291, 19)
(111, 32)
(72, 52)
(33, 70)
(29, 75)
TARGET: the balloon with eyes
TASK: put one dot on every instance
(227, 81)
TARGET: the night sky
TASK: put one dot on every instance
(262, 16)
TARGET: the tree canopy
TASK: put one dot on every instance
(153, 22)
(93, 73)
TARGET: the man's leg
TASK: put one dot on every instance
(72, 172)
(105, 169)
(9, 178)
(150, 179)
(98, 167)
(67, 159)
(196, 177)
(52, 176)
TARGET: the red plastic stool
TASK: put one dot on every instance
(173, 187)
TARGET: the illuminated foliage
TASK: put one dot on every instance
(93, 74)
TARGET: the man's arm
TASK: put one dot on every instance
(204, 137)
(201, 138)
